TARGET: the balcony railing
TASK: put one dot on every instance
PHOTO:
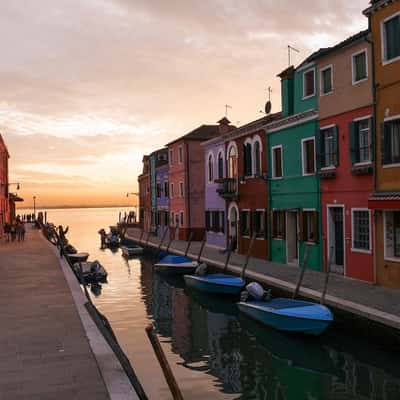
(228, 188)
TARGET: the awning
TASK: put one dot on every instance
(384, 202)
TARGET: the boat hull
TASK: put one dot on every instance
(177, 269)
(277, 319)
(216, 284)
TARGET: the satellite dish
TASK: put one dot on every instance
(268, 107)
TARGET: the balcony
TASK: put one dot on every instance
(228, 188)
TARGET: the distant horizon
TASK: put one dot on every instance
(63, 207)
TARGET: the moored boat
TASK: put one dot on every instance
(92, 271)
(216, 283)
(176, 265)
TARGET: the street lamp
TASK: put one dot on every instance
(136, 206)
(34, 208)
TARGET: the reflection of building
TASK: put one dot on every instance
(384, 20)
(4, 205)
(144, 196)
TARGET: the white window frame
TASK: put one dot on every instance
(256, 138)
(370, 140)
(353, 249)
(210, 154)
(321, 85)
(386, 257)
(279, 146)
(304, 83)
(181, 192)
(180, 154)
(383, 41)
(262, 210)
(323, 128)
(388, 119)
(353, 70)
(303, 170)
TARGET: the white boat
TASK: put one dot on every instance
(176, 265)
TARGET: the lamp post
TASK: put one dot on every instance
(136, 206)
(34, 208)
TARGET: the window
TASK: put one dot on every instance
(390, 38)
(171, 192)
(180, 154)
(215, 221)
(158, 190)
(278, 224)
(181, 218)
(309, 226)
(172, 219)
(328, 147)
(308, 155)
(277, 162)
(208, 221)
(166, 191)
(245, 223)
(257, 158)
(220, 165)
(259, 223)
(309, 83)
(247, 159)
(232, 162)
(171, 157)
(359, 67)
(222, 221)
(327, 80)
(391, 142)
(392, 235)
(360, 141)
(210, 168)
(181, 189)
(360, 230)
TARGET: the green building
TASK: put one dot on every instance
(294, 184)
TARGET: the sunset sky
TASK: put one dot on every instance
(88, 86)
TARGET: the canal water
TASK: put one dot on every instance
(214, 352)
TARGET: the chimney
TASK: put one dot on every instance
(224, 126)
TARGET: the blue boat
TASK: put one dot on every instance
(289, 315)
(176, 265)
(216, 283)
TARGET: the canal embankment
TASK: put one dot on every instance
(49, 346)
(364, 304)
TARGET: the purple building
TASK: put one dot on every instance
(162, 198)
(215, 205)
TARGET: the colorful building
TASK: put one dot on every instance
(294, 184)
(4, 183)
(144, 196)
(186, 182)
(162, 195)
(384, 22)
(245, 187)
(345, 156)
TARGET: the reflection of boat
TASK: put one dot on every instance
(216, 283)
(78, 257)
(214, 304)
(69, 249)
(174, 281)
(109, 239)
(92, 271)
(289, 315)
(302, 353)
(176, 265)
(131, 249)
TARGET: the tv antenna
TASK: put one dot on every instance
(268, 104)
(290, 49)
(226, 110)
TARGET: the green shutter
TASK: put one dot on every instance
(354, 143)
(319, 148)
(336, 145)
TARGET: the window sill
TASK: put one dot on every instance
(353, 250)
(327, 173)
(277, 178)
(395, 165)
(308, 97)
(362, 169)
(307, 242)
(355, 83)
(326, 94)
(392, 259)
(279, 238)
(387, 62)
(310, 174)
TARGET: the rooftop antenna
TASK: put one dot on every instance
(226, 110)
(268, 104)
(290, 49)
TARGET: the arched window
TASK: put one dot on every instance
(248, 162)
(232, 162)
(220, 165)
(257, 158)
(210, 169)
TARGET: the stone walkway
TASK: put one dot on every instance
(365, 300)
(44, 351)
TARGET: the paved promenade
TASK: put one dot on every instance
(362, 299)
(44, 351)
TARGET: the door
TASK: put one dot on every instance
(292, 237)
(336, 239)
(233, 228)
(177, 226)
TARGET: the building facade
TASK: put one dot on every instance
(186, 183)
(345, 156)
(384, 22)
(294, 184)
(4, 202)
(144, 196)
(162, 194)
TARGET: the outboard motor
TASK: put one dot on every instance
(201, 270)
(255, 291)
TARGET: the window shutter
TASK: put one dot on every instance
(372, 137)
(273, 224)
(319, 149)
(223, 221)
(354, 143)
(207, 220)
(315, 226)
(301, 227)
(266, 224)
(336, 145)
(283, 222)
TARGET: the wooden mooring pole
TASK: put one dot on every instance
(228, 256)
(162, 359)
(246, 263)
(189, 243)
(330, 258)
(171, 238)
(203, 243)
(162, 240)
(303, 269)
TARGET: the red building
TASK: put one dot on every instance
(186, 180)
(245, 187)
(4, 202)
(345, 156)
(145, 196)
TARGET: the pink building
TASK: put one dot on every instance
(4, 203)
(186, 182)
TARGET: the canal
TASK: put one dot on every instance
(214, 352)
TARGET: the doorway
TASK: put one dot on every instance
(292, 243)
(335, 241)
(233, 228)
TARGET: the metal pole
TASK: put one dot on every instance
(162, 240)
(303, 269)
(253, 238)
(203, 243)
(189, 243)
(330, 258)
(228, 256)
(170, 239)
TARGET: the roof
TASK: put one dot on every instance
(375, 5)
(203, 132)
(292, 120)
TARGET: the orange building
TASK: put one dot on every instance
(384, 22)
(4, 204)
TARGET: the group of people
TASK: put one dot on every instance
(15, 230)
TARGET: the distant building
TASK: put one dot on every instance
(4, 200)
(345, 155)
(384, 22)
(186, 182)
(145, 196)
